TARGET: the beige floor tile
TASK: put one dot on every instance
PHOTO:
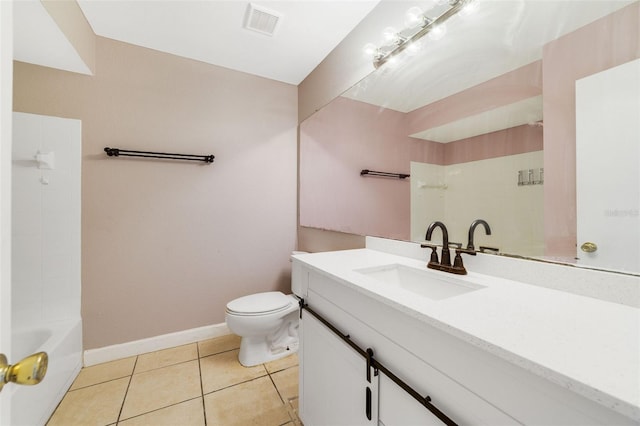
(104, 372)
(222, 370)
(189, 413)
(160, 388)
(218, 345)
(164, 358)
(282, 363)
(93, 405)
(286, 382)
(251, 403)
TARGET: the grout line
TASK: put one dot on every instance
(218, 353)
(98, 383)
(236, 384)
(127, 390)
(158, 409)
(164, 366)
(204, 408)
(277, 390)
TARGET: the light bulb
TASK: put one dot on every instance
(438, 32)
(370, 49)
(390, 35)
(413, 17)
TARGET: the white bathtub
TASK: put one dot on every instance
(62, 341)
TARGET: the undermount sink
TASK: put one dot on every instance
(421, 282)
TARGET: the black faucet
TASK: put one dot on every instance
(472, 229)
(446, 256)
(445, 263)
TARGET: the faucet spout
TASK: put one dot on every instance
(472, 229)
(446, 256)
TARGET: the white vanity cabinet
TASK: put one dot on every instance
(468, 384)
(333, 375)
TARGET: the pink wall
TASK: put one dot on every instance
(608, 42)
(165, 245)
(335, 144)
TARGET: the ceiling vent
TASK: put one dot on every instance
(261, 20)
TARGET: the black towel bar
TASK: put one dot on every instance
(384, 174)
(117, 152)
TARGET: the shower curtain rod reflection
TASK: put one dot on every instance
(384, 174)
(117, 152)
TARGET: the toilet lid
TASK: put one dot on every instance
(259, 303)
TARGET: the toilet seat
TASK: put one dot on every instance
(259, 304)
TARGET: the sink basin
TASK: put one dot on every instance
(421, 282)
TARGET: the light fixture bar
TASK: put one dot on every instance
(382, 58)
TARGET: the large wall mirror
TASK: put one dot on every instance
(524, 114)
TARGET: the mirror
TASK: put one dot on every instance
(484, 121)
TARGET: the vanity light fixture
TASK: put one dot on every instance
(418, 25)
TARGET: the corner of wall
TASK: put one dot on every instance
(72, 22)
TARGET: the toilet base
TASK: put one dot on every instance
(257, 350)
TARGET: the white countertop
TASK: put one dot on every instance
(587, 345)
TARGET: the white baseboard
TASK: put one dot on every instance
(151, 344)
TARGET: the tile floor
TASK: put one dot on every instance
(198, 384)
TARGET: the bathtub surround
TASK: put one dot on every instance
(165, 244)
(45, 258)
(515, 213)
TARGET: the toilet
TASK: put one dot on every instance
(268, 325)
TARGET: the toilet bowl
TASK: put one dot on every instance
(268, 325)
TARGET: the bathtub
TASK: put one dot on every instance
(62, 341)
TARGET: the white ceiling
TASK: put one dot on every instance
(212, 31)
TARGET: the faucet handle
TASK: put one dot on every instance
(434, 253)
(458, 265)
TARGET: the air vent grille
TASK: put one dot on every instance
(261, 20)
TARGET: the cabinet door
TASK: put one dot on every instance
(398, 408)
(333, 379)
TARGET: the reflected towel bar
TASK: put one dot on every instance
(383, 174)
(116, 152)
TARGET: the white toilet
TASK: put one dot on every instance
(268, 325)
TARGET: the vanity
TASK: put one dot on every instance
(480, 349)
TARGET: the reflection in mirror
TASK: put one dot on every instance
(484, 121)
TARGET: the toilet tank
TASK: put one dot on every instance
(297, 275)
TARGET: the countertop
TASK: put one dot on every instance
(585, 344)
